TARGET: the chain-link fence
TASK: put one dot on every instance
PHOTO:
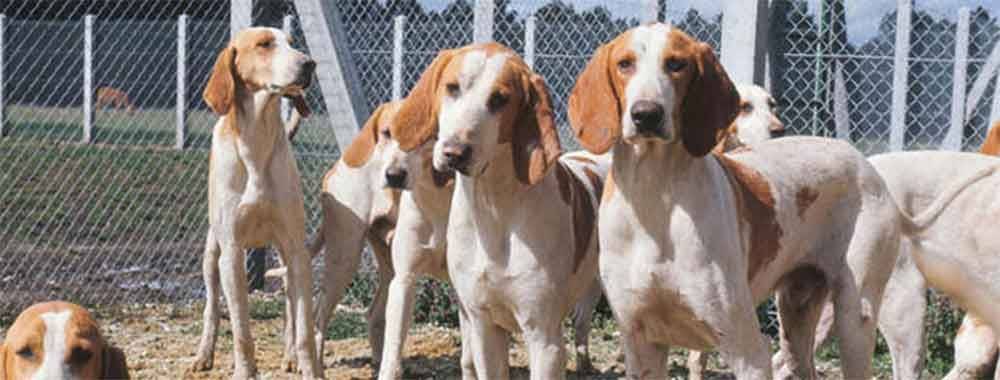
(122, 218)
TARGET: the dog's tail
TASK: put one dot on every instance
(916, 223)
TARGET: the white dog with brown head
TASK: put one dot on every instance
(691, 242)
(254, 191)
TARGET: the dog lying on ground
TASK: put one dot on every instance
(254, 193)
(113, 97)
(691, 242)
(59, 340)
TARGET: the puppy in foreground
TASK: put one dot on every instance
(58, 340)
(691, 242)
(254, 193)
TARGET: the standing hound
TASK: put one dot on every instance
(419, 245)
(59, 340)
(691, 241)
(520, 234)
(254, 191)
(757, 121)
(358, 205)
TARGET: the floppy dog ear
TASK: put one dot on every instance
(417, 119)
(992, 144)
(535, 143)
(594, 106)
(220, 91)
(710, 105)
(361, 147)
(114, 364)
(300, 104)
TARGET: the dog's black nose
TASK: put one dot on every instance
(309, 67)
(395, 179)
(647, 116)
(456, 156)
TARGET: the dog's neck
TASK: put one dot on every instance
(255, 113)
(663, 172)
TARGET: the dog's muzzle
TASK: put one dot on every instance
(306, 73)
(457, 157)
(396, 179)
(648, 118)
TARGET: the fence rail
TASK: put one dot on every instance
(103, 203)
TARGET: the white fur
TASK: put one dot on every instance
(649, 82)
(761, 121)
(54, 365)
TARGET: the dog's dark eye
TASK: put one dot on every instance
(674, 65)
(746, 107)
(80, 355)
(453, 89)
(496, 101)
(386, 133)
(26, 353)
(626, 66)
(266, 44)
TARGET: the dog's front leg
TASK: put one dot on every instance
(234, 285)
(741, 344)
(490, 348)
(299, 293)
(582, 318)
(546, 348)
(644, 360)
(210, 321)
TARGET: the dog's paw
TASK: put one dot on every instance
(201, 364)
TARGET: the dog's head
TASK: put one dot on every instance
(758, 119)
(473, 99)
(259, 59)
(58, 340)
(653, 83)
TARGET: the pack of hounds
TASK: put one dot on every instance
(682, 209)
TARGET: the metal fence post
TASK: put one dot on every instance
(529, 41)
(286, 108)
(995, 108)
(953, 140)
(88, 78)
(398, 28)
(744, 40)
(181, 118)
(240, 15)
(900, 72)
(3, 120)
(650, 11)
(482, 21)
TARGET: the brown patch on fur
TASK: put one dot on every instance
(756, 206)
(596, 101)
(574, 192)
(710, 102)
(991, 145)
(361, 148)
(595, 180)
(805, 198)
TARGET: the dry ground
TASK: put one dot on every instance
(160, 341)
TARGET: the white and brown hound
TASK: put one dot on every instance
(59, 341)
(419, 245)
(691, 242)
(254, 192)
(520, 234)
(359, 204)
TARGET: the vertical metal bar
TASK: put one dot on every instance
(650, 11)
(953, 140)
(529, 41)
(900, 73)
(744, 39)
(482, 21)
(88, 78)
(995, 108)
(3, 103)
(398, 28)
(286, 108)
(240, 15)
(819, 73)
(181, 117)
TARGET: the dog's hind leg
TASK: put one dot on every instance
(800, 300)
(341, 259)
(210, 321)
(975, 350)
(901, 317)
(583, 316)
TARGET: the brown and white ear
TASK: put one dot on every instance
(300, 104)
(535, 142)
(417, 119)
(361, 147)
(594, 106)
(220, 91)
(710, 105)
(114, 364)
